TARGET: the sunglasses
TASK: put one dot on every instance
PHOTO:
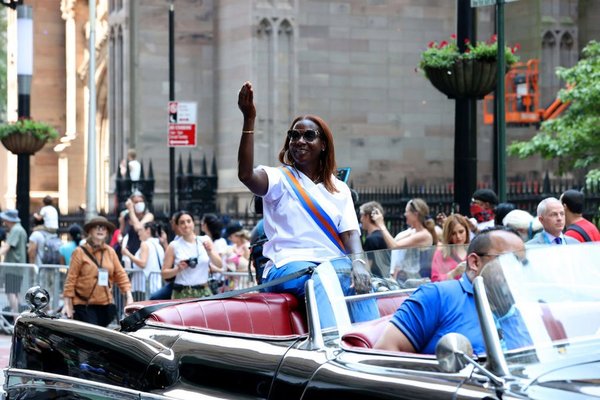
(309, 135)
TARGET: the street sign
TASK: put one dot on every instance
(182, 124)
(483, 3)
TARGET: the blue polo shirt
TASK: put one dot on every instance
(436, 309)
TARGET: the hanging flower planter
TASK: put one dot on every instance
(471, 74)
(464, 79)
(26, 136)
(23, 143)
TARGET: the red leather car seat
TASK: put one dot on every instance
(277, 314)
(366, 334)
(389, 305)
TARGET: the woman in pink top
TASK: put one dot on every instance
(455, 240)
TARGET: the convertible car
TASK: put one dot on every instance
(271, 346)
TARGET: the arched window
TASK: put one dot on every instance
(567, 50)
(549, 80)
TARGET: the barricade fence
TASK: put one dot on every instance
(16, 279)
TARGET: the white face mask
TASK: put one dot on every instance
(139, 207)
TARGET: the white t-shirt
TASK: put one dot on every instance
(156, 255)
(293, 234)
(135, 170)
(184, 251)
(50, 215)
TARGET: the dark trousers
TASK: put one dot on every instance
(94, 314)
(164, 293)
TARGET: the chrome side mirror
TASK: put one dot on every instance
(450, 352)
(454, 352)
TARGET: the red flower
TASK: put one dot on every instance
(443, 44)
(517, 47)
(453, 36)
(431, 44)
(494, 38)
(467, 41)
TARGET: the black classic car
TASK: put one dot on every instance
(271, 346)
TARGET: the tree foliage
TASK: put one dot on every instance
(573, 138)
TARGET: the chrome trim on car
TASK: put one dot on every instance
(495, 356)
(315, 336)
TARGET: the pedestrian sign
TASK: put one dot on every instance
(182, 124)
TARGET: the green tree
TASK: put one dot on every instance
(573, 138)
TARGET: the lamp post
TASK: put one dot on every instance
(171, 98)
(90, 209)
(465, 117)
(24, 74)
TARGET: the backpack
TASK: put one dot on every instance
(51, 253)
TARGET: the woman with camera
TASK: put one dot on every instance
(187, 260)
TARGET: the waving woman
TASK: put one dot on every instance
(308, 169)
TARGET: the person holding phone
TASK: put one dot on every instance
(187, 260)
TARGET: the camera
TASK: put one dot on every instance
(192, 262)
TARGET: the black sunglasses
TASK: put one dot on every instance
(309, 135)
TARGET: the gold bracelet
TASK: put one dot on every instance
(248, 132)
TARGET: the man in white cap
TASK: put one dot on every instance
(14, 250)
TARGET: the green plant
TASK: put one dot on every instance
(446, 53)
(39, 130)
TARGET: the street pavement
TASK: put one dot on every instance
(4, 353)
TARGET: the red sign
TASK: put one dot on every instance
(182, 124)
(182, 135)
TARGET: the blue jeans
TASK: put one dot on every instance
(364, 310)
(164, 293)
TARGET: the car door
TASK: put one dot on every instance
(239, 365)
(366, 375)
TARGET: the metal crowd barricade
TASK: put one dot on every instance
(52, 278)
(15, 279)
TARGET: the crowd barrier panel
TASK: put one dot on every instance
(15, 278)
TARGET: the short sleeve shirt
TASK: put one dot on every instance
(439, 308)
(17, 239)
(293, 234)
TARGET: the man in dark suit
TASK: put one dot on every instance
(551, 214)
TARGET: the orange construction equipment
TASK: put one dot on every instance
(522, 97)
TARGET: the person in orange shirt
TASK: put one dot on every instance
(94, 268)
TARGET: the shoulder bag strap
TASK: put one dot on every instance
(313, 209)
(157, 254)
(580, 230)
(136, 320)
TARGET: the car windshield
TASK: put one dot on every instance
(546, 303)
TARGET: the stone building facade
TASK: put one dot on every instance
(353, 62)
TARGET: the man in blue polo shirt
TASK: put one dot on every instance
(443, 307)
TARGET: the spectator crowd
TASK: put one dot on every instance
(195, 256)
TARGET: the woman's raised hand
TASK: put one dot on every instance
(246, 101)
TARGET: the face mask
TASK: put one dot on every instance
(139, 207)
(481, 214)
